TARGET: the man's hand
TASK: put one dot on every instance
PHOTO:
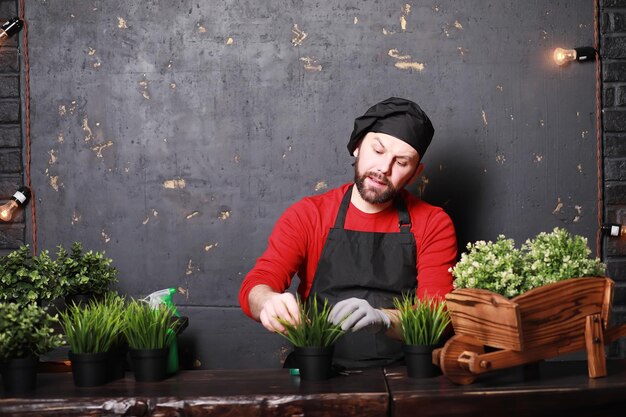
(268, 306)
(355, 314)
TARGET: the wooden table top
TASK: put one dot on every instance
(250, 392)
(552, 389)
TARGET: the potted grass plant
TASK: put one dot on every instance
(150, 332)
(26, 331)
(423, 323)
(92, 330)
(85, 275)
(314, 339)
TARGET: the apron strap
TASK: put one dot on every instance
(404, 219)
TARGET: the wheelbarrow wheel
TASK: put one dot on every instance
(449, 361)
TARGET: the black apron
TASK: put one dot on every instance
(373, 266)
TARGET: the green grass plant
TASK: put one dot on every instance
(94, 327)
(314, 328)
(423, 321)
(147, 327)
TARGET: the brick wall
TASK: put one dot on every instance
(11, 159)
(613, 53)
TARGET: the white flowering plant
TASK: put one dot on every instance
(502, 268)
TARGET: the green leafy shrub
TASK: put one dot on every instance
(423, 321)
(26, 330)
(25, 278)
(551, 257)
(85, 272)
(314, 328)
(95, 327)
(502, 268)
(147, 327)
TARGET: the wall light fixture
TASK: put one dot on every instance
(614, 229)
(17, 201)
(10, 28)
(563, 56)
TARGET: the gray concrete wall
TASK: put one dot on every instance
(172, 134)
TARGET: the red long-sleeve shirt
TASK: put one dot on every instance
(296, 243)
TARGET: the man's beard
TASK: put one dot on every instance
(373, 195)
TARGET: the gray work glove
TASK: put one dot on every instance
(355, 314)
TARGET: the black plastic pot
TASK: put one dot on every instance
(116, 366)
(419, 362)
(19, 375)
(149, 365)
(314, 363)
(89, 369)
(79, 299)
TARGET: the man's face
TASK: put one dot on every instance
(384, 165)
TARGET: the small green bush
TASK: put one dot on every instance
(85, 272)
(25, 278)
(502, 268)
(26, 330)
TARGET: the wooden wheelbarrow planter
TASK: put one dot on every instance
(542, 323)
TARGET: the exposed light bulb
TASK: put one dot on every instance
(614, 229)
(17, 201)
(10, 28)
(563, 56)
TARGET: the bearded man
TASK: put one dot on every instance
(361, 244)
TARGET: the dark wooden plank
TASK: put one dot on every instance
(548, 389)
(252, 392)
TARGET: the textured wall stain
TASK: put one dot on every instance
(174, 183)
(388, 32)
(484, 116)
(201, 29)
(99, 148)
(236, 158)
(121, 23)
(87, 129)
(500, 159)
(76, 217)
(191, 215)
(224, 214)
(542, 123)
(584, 133)
(579, 212)
(579, 167)
(91, 51)
(458, 25)
(54, 182)
(321, 185)
(559, 206)
(356, 20)
(105, 237)
(144, 87)
(183, 291)
(210, 246)
(310, 64)
(191, 268)
(404, 61)
(423, 183)
(229, 41)
(60, 138)
(499, 87)
(462, 51)
(406, 9)
(146, 220)
(173, 87)
(62, 110)
(537, 158)
(53, 157)
(298, 35)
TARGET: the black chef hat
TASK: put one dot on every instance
(397, 117)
